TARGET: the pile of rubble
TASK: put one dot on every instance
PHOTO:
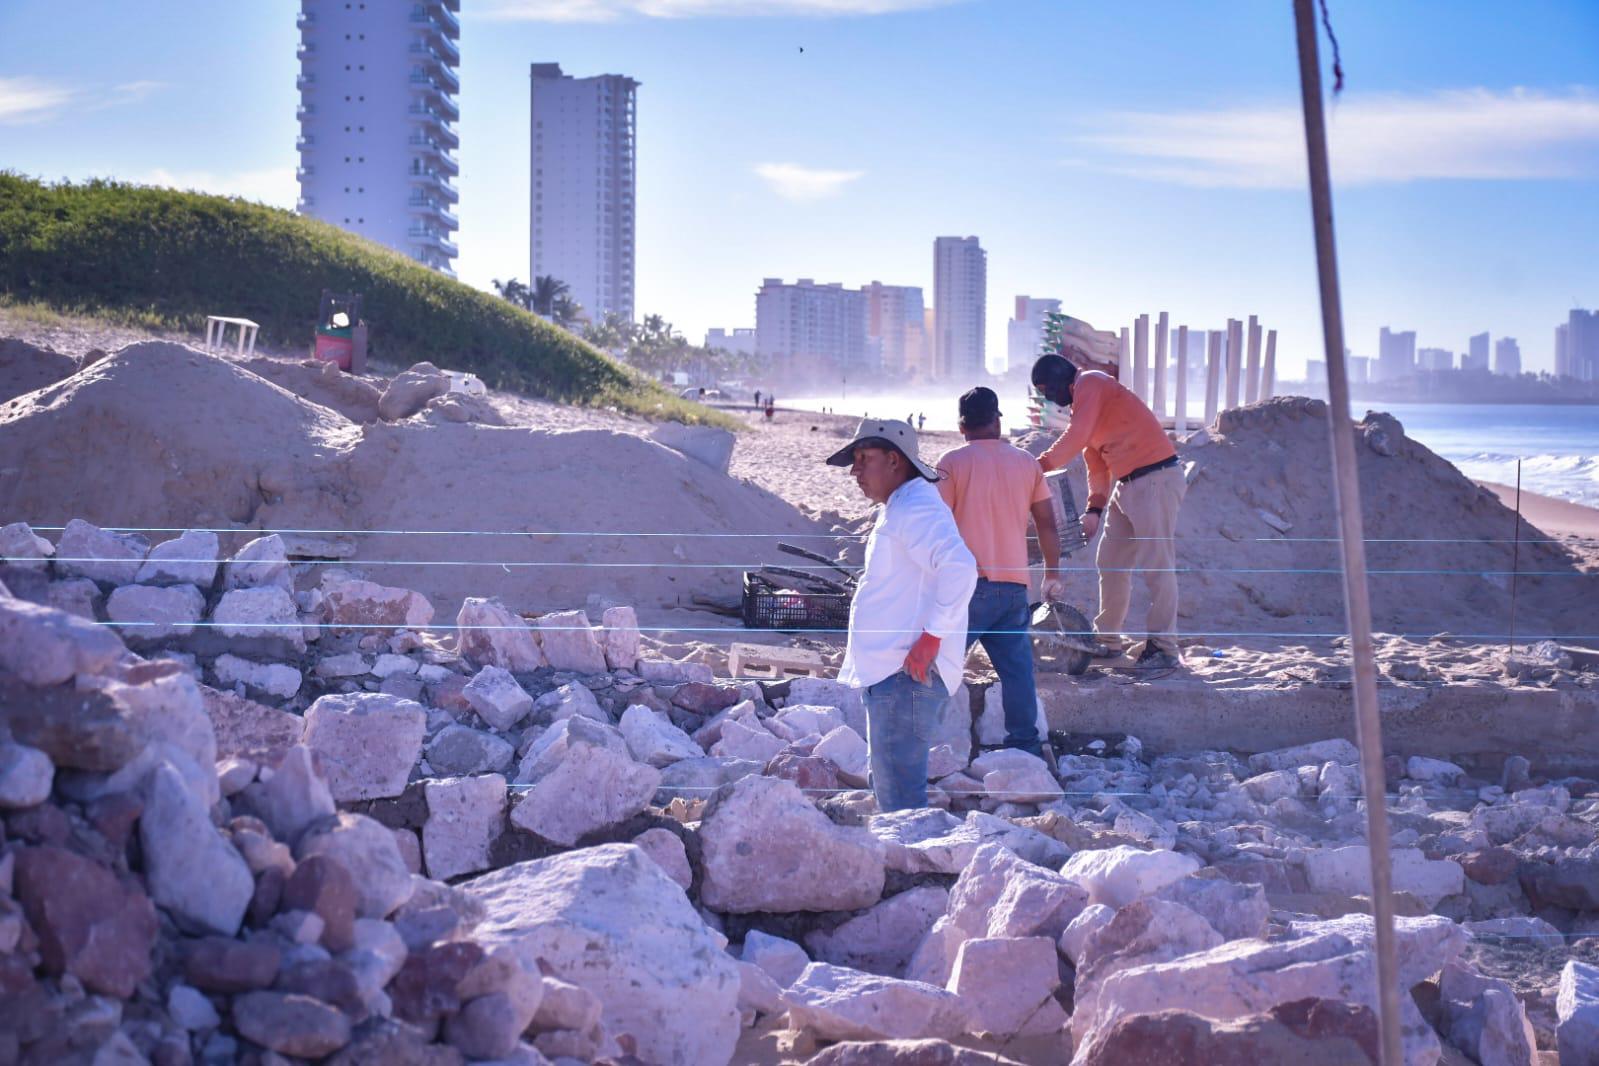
(244, 820)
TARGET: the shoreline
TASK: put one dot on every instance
(1557, 517)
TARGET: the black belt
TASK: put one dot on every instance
(1150, 469)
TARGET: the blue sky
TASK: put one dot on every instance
(1124, 158)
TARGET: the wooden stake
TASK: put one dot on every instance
(1346, 482)
(1252, 373)
(1141, 357)
(1268, 385)
(1159, 405)
(1180, 393)
(1212, 376)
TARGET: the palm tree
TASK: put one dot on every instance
(514, 292)
(612, 333)
(546, 290)
(566, 311)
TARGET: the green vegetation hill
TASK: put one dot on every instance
(178, 256)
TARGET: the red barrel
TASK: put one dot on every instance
(332, 349)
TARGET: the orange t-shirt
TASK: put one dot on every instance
(1113, 429)
(991, 486)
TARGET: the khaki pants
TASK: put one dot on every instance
(1139, 529)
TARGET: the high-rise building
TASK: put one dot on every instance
(1025, 331)
(1396, 355)
(960, 307)
(1359, 369)
(1435, 359)
(741, 341)
(1582, 344)
(894, 316)
(1476, 359)
(810, 331)
(1507, 357)
(377, 111)
(1562, 352)
(583, 180)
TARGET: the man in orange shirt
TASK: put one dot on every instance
(1135, 483)
(992, 487)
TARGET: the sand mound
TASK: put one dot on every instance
(162, 435)
(1257, 536)
(25, 367)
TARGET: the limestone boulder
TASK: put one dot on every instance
(368, 605)
(1008, 985)
(837, 1003)
(666, 848)
(935, 841)
(765, 847)
(846, 750)
(488, 633)
(783, 960)
(367, 849)
(1483, 1018)
(278, 680)
(267, 617)
(609, 920)
(21, 547)
(1118, 876)
(46, 646)
(465, 816)
(697, 779)
(260, 563)
(571, 699)
(1234, 910)
(1310, 1032)
(411, 390)
(1143, 933)
(1347, 870)
(460, 750)
(1080, 932)
(742, 740)
(1315, 753)
(825, 692)
(620, 638)
(653, 739)
(905, 1053)
(188, 559)
(26, 775)
(150, 614)
(569, 642)
(497, 698)
(292, 797)
(581, 779)
(366, 742)
(882, 939)
(163, 704)
(86, 550)
(1577, 1013)
(194, 873)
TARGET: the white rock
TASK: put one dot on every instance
(1521, 927)
(366, 605)
(497, 698)
(26, 775)
(465, 816)
(171, 714)
(800, 720)
(991, 723)
(366, 848)
(666, 848)
(609, 920)
(234, 775)
(349, 664)
(1143, 933)
(882, 939)
(846, 750)
(145, 614)
(1577, 1011)
(1008, 984)
(568, 701)
(757, 991)
(824, 692)
(621, 637)
(367, 742)
(263, 614)
(1433, 771)
(1094, 917)
(293, 797)
(1483, 1018)
(652, 738)
(569, 642)
(1313, 754)
(273, 679)
(261, 563)
(192, 870)
(21, 547)
(488, 633)
(189, 559)
(1023, 784)
(764, 847)
(835, 1003)
(86, 550)
(933, 841)
(1347, 870)
(1272, 785)
(461, 750)
(190, 1009)
(1117, 876)
(582, 780)
(741, 741)
(707, 444)
(1234, 910)
(387, 666)
(1339, 780)
(783, 959)
(666, 672)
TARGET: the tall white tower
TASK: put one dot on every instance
(377, 111)
(583, 183)
(960, 309)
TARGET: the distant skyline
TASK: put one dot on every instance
(1121, 160)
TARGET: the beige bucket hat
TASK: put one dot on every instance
(880, 431)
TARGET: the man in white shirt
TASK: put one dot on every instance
(907, 624)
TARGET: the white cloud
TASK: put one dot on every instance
(274, 186)
(794, 182)
(1463, 134)
(31, 100)
(611, 10)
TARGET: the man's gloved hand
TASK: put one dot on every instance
(921, 656)
(1053, 588)
(1090, 524)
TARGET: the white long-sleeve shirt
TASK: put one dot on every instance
(918, 579)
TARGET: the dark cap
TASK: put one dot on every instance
(979, 406)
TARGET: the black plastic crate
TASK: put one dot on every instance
(770, 606)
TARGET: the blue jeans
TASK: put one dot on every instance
(997, 618)
(901, 717)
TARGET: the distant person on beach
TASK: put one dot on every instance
(994, 487)
(907, 624)
(1134, 482)
(757, 397)
(921, 421)
(770, 409)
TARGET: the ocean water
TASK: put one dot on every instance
(1557, 445)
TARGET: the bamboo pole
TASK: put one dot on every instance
(1346, 480)
(1235, 360)
(1268, 386)
(1180, 393)
(1252, 372)
(1141, 357)
(1159, 406)
(1212, 376)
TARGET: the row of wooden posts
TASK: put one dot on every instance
(1247, 375)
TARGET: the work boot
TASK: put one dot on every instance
(1154, 657)
(1107, 649)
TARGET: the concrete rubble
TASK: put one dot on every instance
(288, 820)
